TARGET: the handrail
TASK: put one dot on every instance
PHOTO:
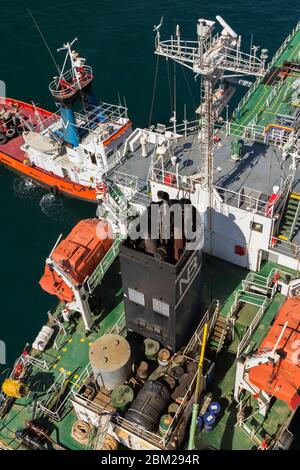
(120, 327)
(274, 59)
(237, 199)
(285, 247)
(209, 317)
(248, 335)
(174, 180)
(72, 84)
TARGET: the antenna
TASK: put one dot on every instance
(226, 27)
(67, 47)
(44, 40)
(157, 28)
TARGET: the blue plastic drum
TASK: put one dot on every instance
(214, 408)
(209, 421)
(199, 423)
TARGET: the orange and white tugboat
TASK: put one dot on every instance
(69, 151)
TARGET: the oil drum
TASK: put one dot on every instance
(149, 405)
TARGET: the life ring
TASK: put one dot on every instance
(10, 133)
(54, 190)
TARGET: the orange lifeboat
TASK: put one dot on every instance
(77, 256)
(282, 378)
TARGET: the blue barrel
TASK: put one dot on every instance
(209, 421)
(214, 408)
(199, 423)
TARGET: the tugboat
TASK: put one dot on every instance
(68, 151)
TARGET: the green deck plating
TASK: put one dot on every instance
(71, 357)
(270, 97)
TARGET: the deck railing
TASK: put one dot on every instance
(127, 181)
(46, 405)
(110, 113)
(209, 317)
(154, 439)
(96, 277)
(174, 180)
(74, 84)
(242, 199)
(47, 122)
(259, 281)
(284, 247)
(270, 65)
(247, 337)
(185, 128)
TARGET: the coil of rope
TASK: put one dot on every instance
(110, 443)
(81, 432)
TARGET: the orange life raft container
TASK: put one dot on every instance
(77, 256)
(282, 378)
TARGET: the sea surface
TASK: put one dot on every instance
(117, 38)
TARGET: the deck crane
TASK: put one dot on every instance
(210, 56)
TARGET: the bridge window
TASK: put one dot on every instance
(93, 158)
(256, 227)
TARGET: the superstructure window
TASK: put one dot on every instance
(256, 227)
(161, 307)
(136, 296)
(93, 158)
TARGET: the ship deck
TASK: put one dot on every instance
(71, 357)
(262, 165)
(13, 146)
(226, 435)
(255, 105)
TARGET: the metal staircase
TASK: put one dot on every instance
(117, 197)
(291, 218)
(219, 333)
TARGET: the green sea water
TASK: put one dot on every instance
(117, 39)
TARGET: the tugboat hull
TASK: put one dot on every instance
(15, 159)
